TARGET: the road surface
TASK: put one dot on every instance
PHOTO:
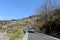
(37, 36)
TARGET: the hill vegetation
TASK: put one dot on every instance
(44, 23)
(46, 20)
(49, 24)
(13, 29)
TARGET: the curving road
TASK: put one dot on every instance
(38, 36)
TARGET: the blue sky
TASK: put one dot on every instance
(17, 9)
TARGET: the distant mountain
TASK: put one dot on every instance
(42, 23)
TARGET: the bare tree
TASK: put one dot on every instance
(46, 7)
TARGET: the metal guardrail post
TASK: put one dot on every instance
(25, 36)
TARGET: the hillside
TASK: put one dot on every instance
(49, 25)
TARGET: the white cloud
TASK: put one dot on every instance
(1, 18)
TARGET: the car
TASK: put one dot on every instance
(31, 30)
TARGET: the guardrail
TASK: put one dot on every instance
(25, 36)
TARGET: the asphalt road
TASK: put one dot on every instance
(36, 36)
